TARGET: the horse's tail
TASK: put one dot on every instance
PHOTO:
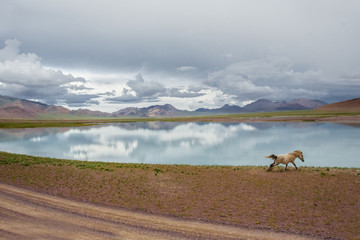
(273, 156)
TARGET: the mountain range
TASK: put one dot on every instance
(265, 105)
(13, 108)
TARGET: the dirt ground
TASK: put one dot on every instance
(27, 214)
(317, 202)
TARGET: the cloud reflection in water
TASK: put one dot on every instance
(323, 144)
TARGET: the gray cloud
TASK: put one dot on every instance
(27, 70)
(146, 89)
(131, 34)
(22, 75)
(272, 78)
(80, 100)
(246, 49)
(176, 92)
(139, 90)
(126, 97)
(185, 69)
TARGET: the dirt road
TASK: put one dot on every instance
(30, 215)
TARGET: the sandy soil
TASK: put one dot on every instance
(27, 214)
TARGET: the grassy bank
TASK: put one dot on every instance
(63, 121)
(317, 201)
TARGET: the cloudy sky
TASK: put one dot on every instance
(111, 54)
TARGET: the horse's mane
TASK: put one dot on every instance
(296, 151)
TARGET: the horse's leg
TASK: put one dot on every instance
(294, 165)
(286, 167)
(271, 166)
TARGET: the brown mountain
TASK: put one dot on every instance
(129, 111)
(87, 112)
(14, 108)
(227, 108)
(265, 105)
(309, 104)
(352, 105)
(20, 108)
(16, 112)
(166, 110)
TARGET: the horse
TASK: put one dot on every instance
(286, 159)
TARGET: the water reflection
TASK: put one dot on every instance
(323, 144)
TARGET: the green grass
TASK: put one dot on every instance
(36, 124)
(26, 160)
(299, 113)
(77, 121)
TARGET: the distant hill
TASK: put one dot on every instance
(87, 112)
(309, 104)
(352, 105)
(265, 105)
(14, 108)
(20, 108)
(224, 109)
(166, 110)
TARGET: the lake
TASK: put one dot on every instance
(323, 144)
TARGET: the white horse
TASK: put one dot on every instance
(286, 159)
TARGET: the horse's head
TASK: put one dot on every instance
(300, 155)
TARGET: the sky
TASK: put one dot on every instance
(110, 54)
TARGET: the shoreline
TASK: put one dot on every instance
(291, 116)
(322, 202)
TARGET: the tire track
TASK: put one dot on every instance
(26, 214)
